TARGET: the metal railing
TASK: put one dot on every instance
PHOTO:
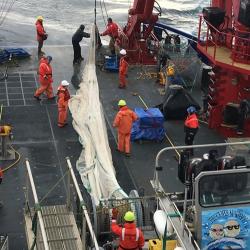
(233, 39)
(37, 204)
(157, 186)
(82, 204)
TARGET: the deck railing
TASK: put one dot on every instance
(236, 40)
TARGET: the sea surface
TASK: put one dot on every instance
(62, 17)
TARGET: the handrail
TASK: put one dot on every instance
(157, 167)
(37, 205)
(82, 203)
(240, 46)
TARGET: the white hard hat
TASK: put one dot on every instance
(65, 83)
(123, 52)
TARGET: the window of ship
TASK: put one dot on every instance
(224, 189)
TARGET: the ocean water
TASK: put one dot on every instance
(62, 17)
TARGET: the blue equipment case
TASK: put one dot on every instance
(149, 126)
(16, 53)
(111, 63)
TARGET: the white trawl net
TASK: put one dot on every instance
(95, 162)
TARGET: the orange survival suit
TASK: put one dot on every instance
(191, 127)
(40, 31)
(45, 79)
(41, 34)
(131, 238)
(123, 121)
(63, 99)
(112, 31)
(123, 70)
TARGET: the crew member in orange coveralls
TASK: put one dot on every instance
(112, 31)
(45, 79)
(41, 33)
(191, 127)
(123, 69)
(131, 238)
(123, 122)
(63, 99)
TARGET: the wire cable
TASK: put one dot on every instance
(7, 12)
(104, 20)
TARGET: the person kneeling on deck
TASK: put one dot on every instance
(63, 99)
(191, 127)
(123, 122)
(45, 79)
(123, 69)
(131, 238)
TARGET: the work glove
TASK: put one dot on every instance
(114, 213)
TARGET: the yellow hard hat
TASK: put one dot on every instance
(122, 103)
(170, 71)
(40, 18)
(129, 216)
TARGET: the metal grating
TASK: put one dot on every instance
(18, 89)
(60, 229)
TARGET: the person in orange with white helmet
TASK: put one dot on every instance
(123, 69)
(63, 99)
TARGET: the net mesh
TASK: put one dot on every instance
(95, 164)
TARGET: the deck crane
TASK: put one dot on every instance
(137, 37)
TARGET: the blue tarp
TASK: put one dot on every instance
(16, 53)
(149, 126)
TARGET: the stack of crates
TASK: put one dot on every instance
(156, 244)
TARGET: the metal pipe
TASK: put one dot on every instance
(82, 203)
(39, 214)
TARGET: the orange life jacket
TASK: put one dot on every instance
(40, 31)
(124, 120)
(131, 238)
(63, 95)
(123, 66)
(192, 121)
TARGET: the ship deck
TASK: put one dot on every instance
(37, 137)
(141, 164)
(222, 55)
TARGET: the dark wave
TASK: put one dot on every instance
(197, 10)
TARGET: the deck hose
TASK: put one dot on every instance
(18, 155)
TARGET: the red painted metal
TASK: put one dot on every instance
(228, 51)
(137, 37)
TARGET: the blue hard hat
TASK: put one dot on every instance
(191, 109)
(49, 58)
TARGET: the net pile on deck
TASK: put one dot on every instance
(95, 162)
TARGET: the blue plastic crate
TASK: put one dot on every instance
(111, 63)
